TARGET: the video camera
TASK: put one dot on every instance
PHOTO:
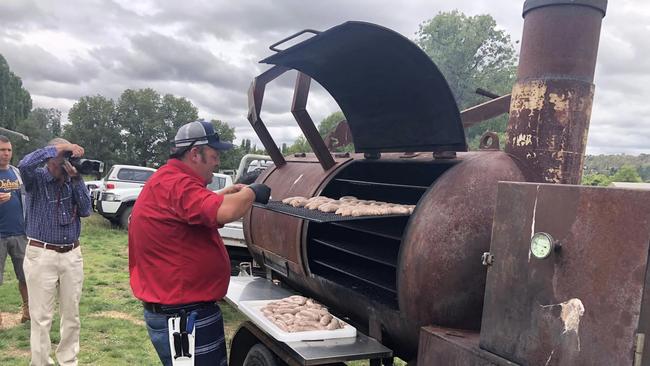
(85, 166)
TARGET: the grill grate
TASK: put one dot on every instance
(314, 215)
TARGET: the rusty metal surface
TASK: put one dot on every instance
(560, 41)
(548, 127)
(440, 279)
(485, 111)
(398, 334)
(552, 98)
(600, 5)
(278, 233)
(449, 231)
(255, 98)
(454, 347)
(299, 111)
(489, 141)
(581, 305)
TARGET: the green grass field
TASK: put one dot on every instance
(112, 329)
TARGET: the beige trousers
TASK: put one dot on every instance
(48, 274)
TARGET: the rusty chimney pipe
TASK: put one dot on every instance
(552, 97)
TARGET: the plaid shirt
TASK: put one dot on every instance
(53, 209)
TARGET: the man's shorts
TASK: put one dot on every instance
(15, 247)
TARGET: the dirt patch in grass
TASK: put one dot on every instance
(17, 353)
(10, 320)
(119, 315)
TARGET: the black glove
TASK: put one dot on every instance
(262, 192)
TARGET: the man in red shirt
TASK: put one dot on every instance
(177, 260)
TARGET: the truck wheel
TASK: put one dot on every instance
(259, 355)
(124, 218)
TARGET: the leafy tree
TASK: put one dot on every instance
(299, 146)
(470, 52)
(148, 123)
(174, 112)
(610, 164)
(328, 124)
(15, 101)
(626, 173)
(142, 129)
(41, 126)
(596, 179)
(644, 172)
(93, 126)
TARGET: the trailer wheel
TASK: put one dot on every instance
(259, 355)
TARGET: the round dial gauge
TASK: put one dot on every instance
(541, 245)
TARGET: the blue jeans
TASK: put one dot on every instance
(210, 340)
(159, 334)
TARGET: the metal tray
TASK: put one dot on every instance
(315, 215)
(252, 310)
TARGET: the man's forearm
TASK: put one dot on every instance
(33, 160)
(234, 206)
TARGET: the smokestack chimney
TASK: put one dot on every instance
(552, 97)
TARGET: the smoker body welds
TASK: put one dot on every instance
(416, 283)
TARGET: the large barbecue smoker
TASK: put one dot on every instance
(504, 260)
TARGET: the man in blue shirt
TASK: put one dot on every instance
(12, 221)
(56, 199)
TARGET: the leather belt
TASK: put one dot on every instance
(59, 248)
(175, 309)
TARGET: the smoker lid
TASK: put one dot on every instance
(392, 94)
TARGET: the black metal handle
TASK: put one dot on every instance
(273, 46)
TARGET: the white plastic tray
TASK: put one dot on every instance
(252, 310)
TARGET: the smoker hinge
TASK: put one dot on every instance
(639, 342)
(487, 259)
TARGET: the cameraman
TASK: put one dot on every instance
(56, 198)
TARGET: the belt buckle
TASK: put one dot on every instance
(60, 248)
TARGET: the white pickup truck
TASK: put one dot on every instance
(116, 196)
(118, 191)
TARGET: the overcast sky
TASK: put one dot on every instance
(208, 52)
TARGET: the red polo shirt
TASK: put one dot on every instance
(176, 255)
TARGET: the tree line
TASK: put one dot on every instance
(601, 170)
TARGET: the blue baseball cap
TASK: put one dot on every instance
(199, 133)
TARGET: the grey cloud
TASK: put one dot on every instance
(22, 14)
(36, 63)
(159, 57)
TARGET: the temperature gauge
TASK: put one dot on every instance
(541, 245)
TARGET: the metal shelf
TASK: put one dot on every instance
(315, 215)
(380, 184)
(376, 254)
(357, 272)
(383, 230)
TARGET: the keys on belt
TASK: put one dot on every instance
(59, 248)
